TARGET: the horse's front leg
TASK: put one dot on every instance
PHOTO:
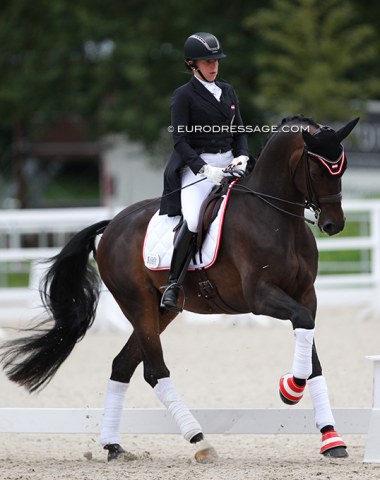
(332, 443)
(271, 300)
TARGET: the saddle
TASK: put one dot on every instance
(157, 253)
(162, 231)
(209, 211)
(210, 206)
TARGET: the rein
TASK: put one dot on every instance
(153, 201)
(264, 197)
(312, 204)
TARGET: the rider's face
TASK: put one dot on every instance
(209, 69)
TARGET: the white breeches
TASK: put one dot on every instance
(193, 197)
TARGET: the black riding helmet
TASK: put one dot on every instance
(203, 46)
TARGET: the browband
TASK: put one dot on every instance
(335, 167)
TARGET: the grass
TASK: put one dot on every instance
(13, 279)
(347, 261)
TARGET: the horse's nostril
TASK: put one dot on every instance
(330, 228)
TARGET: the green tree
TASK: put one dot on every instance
(114, 66)
(315, 52)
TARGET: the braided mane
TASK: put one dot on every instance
(299, 118)
(295, 119)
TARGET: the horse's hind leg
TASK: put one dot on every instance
(123, 367)
(188, 425)
(166, 392)
(146, 319)
(145, 345)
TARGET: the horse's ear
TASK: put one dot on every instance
(347, 129)
(311, 141)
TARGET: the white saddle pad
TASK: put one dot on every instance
(158, 243)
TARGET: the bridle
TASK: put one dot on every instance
(312, 202)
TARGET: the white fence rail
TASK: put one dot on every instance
(354, 288)
(51, 229)
(370, 242)
(236, 421)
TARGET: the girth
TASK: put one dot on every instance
(208, 290)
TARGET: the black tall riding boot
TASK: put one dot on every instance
(184, 247)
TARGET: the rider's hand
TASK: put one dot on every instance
(239, 163)
(215, 174)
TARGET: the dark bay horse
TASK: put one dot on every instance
(267, 264)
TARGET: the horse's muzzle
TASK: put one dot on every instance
(331, 227)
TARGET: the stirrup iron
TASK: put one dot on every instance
(173, 308)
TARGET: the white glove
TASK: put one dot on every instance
(239, 163)
(215, 174)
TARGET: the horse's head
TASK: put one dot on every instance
(325, 162)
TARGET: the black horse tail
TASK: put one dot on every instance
(70, 293)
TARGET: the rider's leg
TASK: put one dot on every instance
(194, 192)
(192, 198)
(184, 247)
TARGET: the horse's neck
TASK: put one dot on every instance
(273, 174)
(274, 181)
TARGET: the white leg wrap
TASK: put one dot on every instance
(302, 366)
(319, 396)
(168, 395)
(113, 409)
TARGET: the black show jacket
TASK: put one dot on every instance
(200, 124)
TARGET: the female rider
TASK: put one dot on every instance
(208, 136)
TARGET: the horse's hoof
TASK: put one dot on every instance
(290, 392)
(205, 453)
(115, 451)
(333, 446)
(336, 452)
(285, 400)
